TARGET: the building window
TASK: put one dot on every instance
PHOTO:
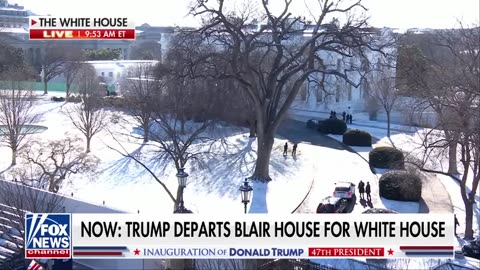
(110, 74)
(103, 74)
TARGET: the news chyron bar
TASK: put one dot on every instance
(82, 28)
(133, 236)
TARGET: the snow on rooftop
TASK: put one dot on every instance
(14, 30)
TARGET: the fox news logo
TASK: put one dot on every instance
(47, 236)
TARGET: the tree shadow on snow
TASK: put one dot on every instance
(121, 169)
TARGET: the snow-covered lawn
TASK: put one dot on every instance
(123, 184)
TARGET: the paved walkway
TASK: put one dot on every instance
(435, 197)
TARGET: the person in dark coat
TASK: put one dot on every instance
(456, 224)
(368, 190)
(285, 149)
(294, 150)
(331, 114)
(350, 118)
(361, 189)
(347, 118)
(343, 115)
(334, 114)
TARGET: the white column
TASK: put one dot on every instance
(312, 94)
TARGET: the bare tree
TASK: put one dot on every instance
(453, 89)
(274, 60)
(54, 161)
(16, 111)
(72, 67)
(52, 61)
(88, 117)
(383, 91)
(140, 91)
(16, 200)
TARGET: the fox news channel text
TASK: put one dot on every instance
(47, 27)
(101, 236)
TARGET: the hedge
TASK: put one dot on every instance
(332, 126)
(357, 137)
(379, 211)
(400, 186)
(386, 157)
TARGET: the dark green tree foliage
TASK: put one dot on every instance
(103, 54)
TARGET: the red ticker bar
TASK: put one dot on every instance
(82, 33)
(346, 252)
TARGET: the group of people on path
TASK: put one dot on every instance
(346, 117)
(294, 149)
(362, 189)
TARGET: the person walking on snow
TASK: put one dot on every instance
(456, 224)
(343, 115)
(368, 190)
(294, 150)
(361, 189)
(350, 118)
(285, 149)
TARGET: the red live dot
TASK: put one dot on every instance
(346, 252)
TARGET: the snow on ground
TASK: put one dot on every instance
(125, 185)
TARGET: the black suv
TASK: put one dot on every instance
(473, 249)
(332, 205)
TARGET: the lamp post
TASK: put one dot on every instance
(182, 177)
(182, 183)
(246, 192)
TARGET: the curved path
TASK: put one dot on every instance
(335, 163)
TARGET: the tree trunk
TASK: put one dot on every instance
(88, 145)
(14, 156)
(452, 152)
(388, 124)
(262, 164)
(468, 220)
(67, 92)
(182, 126)
(252, 127)
(45, 84)
(146, 132)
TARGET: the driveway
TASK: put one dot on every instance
(334, 164)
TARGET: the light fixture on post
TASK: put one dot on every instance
(182, 178)
(246, 192)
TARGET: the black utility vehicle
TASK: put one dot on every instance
(332, 205)
(473, 249)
